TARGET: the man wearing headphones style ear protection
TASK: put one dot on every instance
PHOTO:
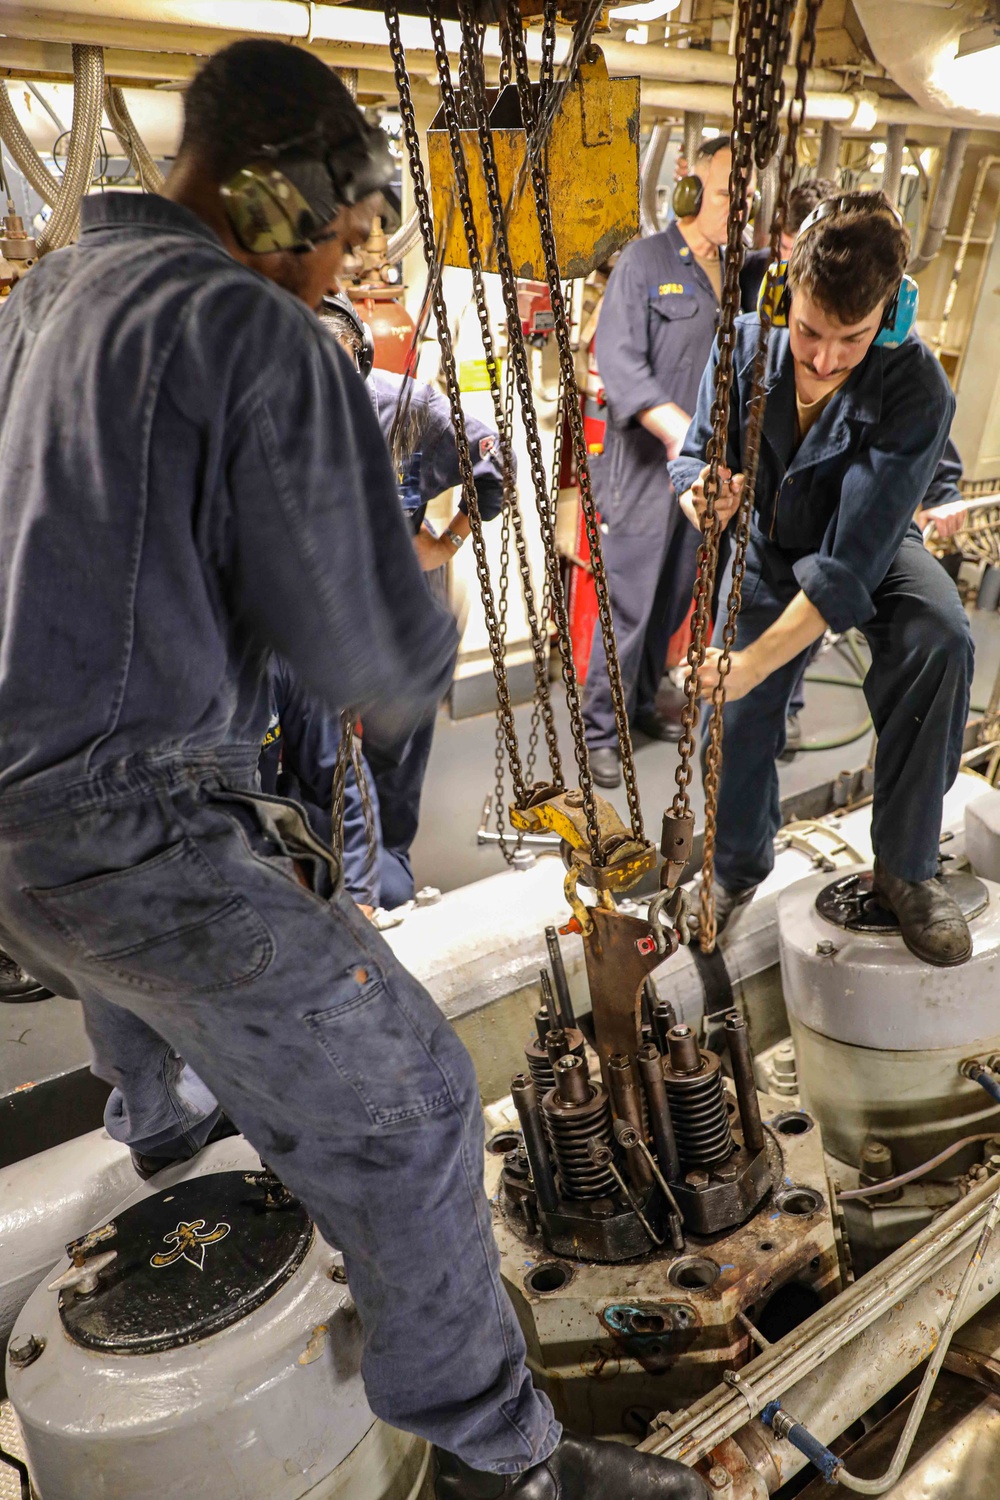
(656, 327)
(857, 419)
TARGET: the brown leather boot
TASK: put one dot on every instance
(930, 920)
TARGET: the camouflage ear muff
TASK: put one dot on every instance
(285, 198)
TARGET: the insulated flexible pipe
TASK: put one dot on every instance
(649, 178)
(27, 158)
(132, 143)
(88, 107)
(405, 239)
(944, 201)
(892, 170)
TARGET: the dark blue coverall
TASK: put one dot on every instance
(834, 517)
(193, 478)
(298, 759)
(655, 334)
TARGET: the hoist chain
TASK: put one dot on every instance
(758, 97)
(574, 412)
(422, 200)
(512, 508)
(547, 68)
(500, 798)
(518, 355)
(554, 477)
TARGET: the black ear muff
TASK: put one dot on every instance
(687, 198)
(366, 359)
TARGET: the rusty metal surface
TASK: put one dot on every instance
(616, 1343)
(593, 169)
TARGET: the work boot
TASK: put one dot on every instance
(577, 1469)
(793, 738)
(606, 767)
(655, 726)
(930, 920)
(148, 1166)
(726, 902)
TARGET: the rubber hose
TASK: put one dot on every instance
(25, 156)
(131, 141)
(88, 107)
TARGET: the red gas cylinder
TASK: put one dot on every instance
(392, 327)
(582, 594)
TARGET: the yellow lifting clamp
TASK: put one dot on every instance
(592, 162)
(626, 858)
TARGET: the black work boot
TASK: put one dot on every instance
(148, 1166)
(930, 920)
(606, 767)
(726, 902)
(578, 1469)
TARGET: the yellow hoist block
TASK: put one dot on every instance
(592, 170)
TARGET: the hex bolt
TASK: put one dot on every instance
(719, 1478)
(573, 799)
(697, 1180)
(825, 949)
(25, 1352)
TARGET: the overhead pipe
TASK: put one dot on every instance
(649, 178)
(944, 201)
(341, 35)
(85, 132)
(131, 141)
(27, 159)
(829, 150)
(892, 171)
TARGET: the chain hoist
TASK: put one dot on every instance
(449, 367)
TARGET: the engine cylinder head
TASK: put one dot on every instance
(697, 1104)
(576, 1112)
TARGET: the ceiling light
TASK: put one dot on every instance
(650, 10)
(878, 148)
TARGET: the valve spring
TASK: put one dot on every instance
(570, 1127)
(701, 1120)
(540, 1064)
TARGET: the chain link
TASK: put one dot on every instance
(574, 411)
(452, 112)
(518, 355)
(425, 216)
(554, 478)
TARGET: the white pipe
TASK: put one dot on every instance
(88, 106)
(649, 177)
(186, 25)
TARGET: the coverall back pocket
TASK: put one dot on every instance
(377, 1049)
(169, 924)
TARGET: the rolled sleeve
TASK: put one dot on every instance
(880, 491)
(631, 385)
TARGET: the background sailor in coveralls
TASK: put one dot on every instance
(655, 334)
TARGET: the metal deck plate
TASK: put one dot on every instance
(849, 903)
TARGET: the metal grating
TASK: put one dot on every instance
(10, 1442)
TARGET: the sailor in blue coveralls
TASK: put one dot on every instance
(654, 336)
(853, 434)
(194, 480)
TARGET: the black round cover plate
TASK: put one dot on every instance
(191, 1260)
(848, 902)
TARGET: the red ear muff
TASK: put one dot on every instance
(687, 198)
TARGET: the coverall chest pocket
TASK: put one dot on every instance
(169, 925)
(379, 1051)
(670, 318)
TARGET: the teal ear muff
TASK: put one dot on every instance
(688, 194)
(897, 320)
(900, 315)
